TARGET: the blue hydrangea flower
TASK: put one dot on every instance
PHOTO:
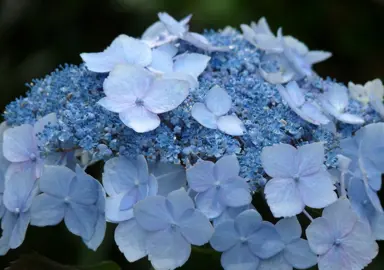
(180, 30)
(246, 240)
(363, 207)
(172, 224)
(230, 213)
(309, 111)
(213, 113)
(19, 192)
(123, 50)
(296, 253)
(72, 196)
(218, 185)
(126, 182)
(138, 96)
(21, 146)
(335, 100)
(4, 163)
(299, 178)
(340, 239)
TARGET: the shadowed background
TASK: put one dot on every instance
(36, 36)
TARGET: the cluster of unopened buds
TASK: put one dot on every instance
(190, 127)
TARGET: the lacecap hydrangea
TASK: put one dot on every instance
(190, 126)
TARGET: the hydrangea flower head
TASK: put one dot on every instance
(172, 224)
(123, 50)
(246, 240)
(138, 96)
(340, 239)
(126, 182)
(298, 179)
(213, 113)
(72, 196)
(21, 146)
(218, 185)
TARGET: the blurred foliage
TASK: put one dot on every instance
(36, 36)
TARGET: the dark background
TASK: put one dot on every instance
(38, 35)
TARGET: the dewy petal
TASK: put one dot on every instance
(283, 197)
(247, 222)
(225, 236)
(113, 212)
(167, 249)
(200, 177)
(152, 213)
(279, 160)
(202, 115)
(320, 236)
(266, 241)
(191, 63)
(239, 257)
(317, 190)
(209, 202)
(19, 143)
(218, 101)
(19, 230)
(235, 192)
(47, 210)
(166, 95)
(231, 125)
(299, 255)
(56, 181)
(140, 119)
(289, 229)
(123, 50)
(226, 167)
(131, 240)
(314, 57)
(195, 227)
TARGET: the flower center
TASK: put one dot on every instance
(32, 157)
(139, 102)
(243, 240)
(67, 199)
(337, 242)
(136, 182)
(17, 210)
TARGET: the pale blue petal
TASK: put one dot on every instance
(248, 222)
(191, 63)
(42, 123)
(239, 257)
(19, 230)
(167, 249)
(166, 95)
(178, 202)
(84, 188)
(218, 101)
(230, 213)
(19, 143)
(283, 197)
(17, 167)
(140, 119)
(314, 57)
(195, 227)
(142, 169)
(209, 202)
(372, 148)
(56, 181)
(174, 27)
(113, 212)
(8, 222)
(119, 175)
(231, 125)
(200, 176)
(114, 105)
(309, 158)
(225, 236)
(202, 115)
(161, 61)
(278, 161)
(374, 198)
(152, 213)
(168, 176)
(299, 254)
(317, 190)
(98, 236)
(19, 191)
(169, 49)
(154, 31)
(341, 217)
(276, 262)
(129, 199)
(81, 220)
(131, 240)
(226, 167)
(47, 210)
(289, 229)
(377, 224)
(320, 236)
(266, 241)
(235, 193)
(203, 43)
